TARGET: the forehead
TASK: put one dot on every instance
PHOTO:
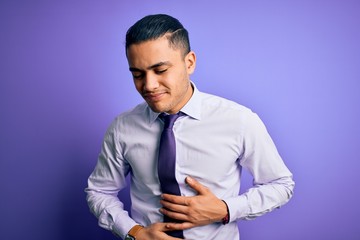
(152, 51)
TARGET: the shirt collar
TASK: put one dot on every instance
(152, 116)
(192, 108)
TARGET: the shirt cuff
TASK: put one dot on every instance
(122, 230)
(238, 207)
(107, 221)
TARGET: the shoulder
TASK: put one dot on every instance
(138, 111)
(220, 105)
(232, 114)
(128, 118)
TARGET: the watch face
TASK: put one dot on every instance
(128, 237)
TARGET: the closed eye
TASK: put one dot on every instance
(137, 75)
(160, 71)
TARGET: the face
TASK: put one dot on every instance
(161, 74)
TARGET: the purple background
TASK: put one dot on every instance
(64, 77)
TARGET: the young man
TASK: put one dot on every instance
(214, 138)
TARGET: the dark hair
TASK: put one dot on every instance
(153, 27)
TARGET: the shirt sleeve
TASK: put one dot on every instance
(273, 183)
(104, 183)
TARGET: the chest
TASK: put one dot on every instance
(204, 149)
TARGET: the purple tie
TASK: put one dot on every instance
(166, 164)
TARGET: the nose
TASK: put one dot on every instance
(150, 82)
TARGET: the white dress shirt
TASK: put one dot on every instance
(214, 141)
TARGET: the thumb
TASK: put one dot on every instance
(201, 189)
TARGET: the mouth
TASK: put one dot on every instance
(153, 96)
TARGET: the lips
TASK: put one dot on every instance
(153, 97)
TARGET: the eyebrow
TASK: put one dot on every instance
(159, 64)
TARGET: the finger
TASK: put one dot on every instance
(179, 226)
(201, 189)
(174, 215)
(162, 228)
(179, 200)
(173, 206)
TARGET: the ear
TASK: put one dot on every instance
(190, 62)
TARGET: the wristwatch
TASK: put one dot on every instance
(133, 231)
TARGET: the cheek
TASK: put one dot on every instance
(179, 77)
(138, 86)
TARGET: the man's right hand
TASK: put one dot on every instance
(157, 231)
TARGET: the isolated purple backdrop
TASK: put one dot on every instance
(64, 78)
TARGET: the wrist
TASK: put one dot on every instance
(133, 232)
(226, 219)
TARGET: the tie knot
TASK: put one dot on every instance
(169, 119)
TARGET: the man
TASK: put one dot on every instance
(214, 138)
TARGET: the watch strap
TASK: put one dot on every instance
(134, 230)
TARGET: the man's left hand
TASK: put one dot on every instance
(202, 209)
